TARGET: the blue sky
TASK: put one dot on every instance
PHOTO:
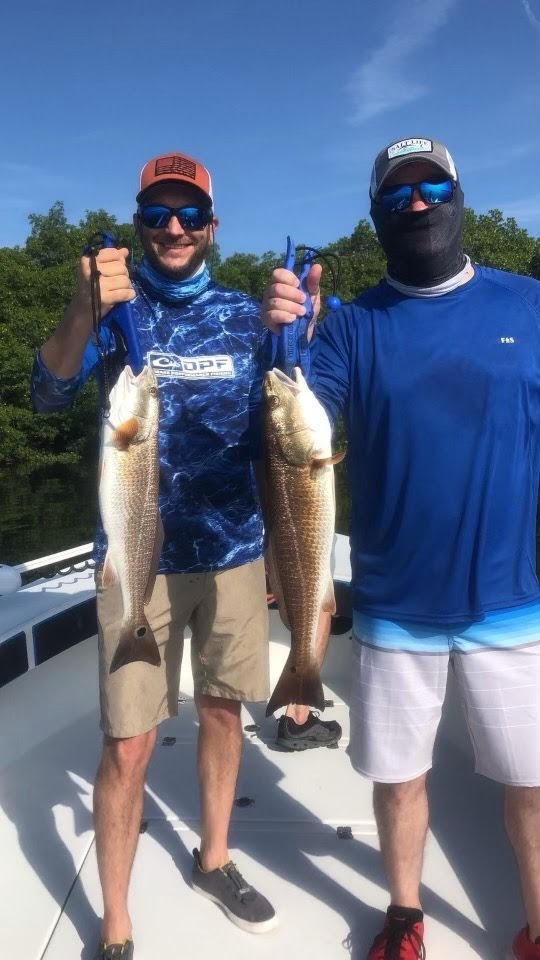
(287, 102)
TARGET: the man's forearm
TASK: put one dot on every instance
(63, 352)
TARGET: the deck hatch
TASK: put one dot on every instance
(13, 658)
(64, 630)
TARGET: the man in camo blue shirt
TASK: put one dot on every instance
(202, 340)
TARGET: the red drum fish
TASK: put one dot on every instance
(299, 503)
(128, 500)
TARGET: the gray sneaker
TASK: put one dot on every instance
(115, 951)
(313, 733)
(243, 905)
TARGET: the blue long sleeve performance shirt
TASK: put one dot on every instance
(441, 401)
(205, 356)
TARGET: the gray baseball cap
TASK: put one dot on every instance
(400, 152)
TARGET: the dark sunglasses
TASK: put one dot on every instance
(397, 198)
(155, 215)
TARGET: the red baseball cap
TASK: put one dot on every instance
(175, 167)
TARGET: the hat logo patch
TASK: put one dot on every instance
(413, 145)
(176, 164)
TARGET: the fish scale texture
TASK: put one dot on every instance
(301, 508)
(129, 501)
(302, 527)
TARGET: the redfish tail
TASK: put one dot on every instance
(295, 686)
(136, 643)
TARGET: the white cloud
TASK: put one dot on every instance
(533, 19)
(382, 82)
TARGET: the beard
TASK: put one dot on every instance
(184, 270)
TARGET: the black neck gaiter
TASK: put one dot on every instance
(423, 248)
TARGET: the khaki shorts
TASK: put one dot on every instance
(227, 613)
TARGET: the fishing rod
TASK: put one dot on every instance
(292, 343)
(121, 315)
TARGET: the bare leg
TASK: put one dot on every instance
(219, 750)
(298, 711)
(118, 800)
(522, 817)
(401, 812)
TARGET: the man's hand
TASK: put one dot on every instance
(63, 351)
(284, 302)
(114, 283)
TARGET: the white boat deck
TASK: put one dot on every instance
(328, 892)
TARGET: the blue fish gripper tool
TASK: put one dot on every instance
(292, 348)
(121, 315)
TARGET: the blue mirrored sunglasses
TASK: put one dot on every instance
(156, 215)
(397, 198)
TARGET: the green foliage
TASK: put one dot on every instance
(245, 271)
(490, 239)
(52, 239)
(36, 284)
(535, 261)
(362, 262)
(55, 242)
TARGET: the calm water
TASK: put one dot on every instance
(45, 512)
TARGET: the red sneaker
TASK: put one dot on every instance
(523, 948)
(402, 939)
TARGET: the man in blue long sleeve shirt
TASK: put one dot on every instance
(436, 371)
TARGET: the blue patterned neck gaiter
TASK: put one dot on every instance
(171, 291)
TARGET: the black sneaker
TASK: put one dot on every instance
(115, 951)
(313, 733)
(244, 905)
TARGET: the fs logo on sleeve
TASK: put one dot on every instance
(190, 368)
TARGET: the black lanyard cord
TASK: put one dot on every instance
(103, 366)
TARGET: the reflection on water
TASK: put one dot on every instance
(46, 511)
